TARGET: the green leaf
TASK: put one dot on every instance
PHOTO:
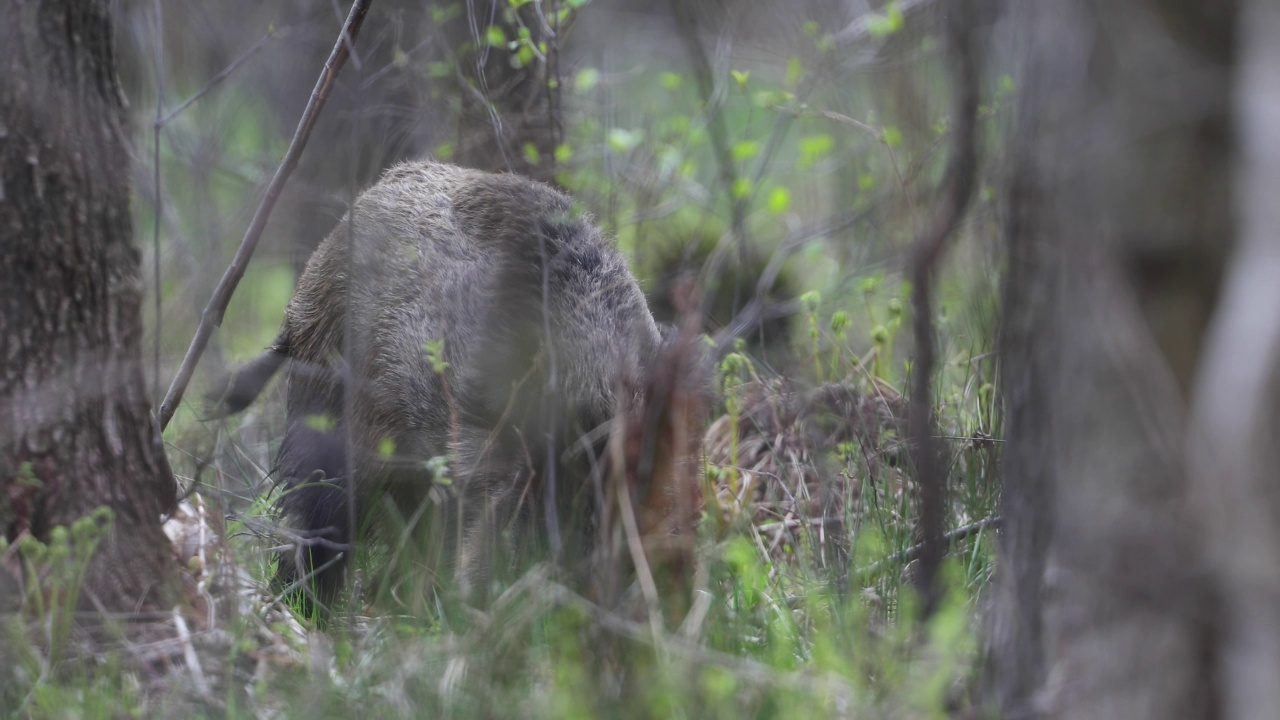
(670, 81)
(434, 351)
(741, 78)
(675, 125)
(564, 153)
(321, 423)
(438, 466)
(771, 98)
(441, 14)
(779, 200)
(587, 79)
(524, 56)
(894, 13)
(879, 26)
(531, 153)
(814, 147)
(745, 150)
(495, 36)
(795, 70)
(814, 251)
(749, 573)
(27, 476)
(623, 141)
(741, 188)
(891, 136)
(887, 24)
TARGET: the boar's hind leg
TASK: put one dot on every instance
(315, 504)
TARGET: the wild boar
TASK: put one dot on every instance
(459, 315)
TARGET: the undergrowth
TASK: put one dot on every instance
(803, 604)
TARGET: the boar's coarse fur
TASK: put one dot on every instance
(542, 324)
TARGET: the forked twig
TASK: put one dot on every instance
(217, 307)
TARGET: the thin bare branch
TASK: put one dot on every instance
(916, 551)
(223, 74)
(214, 311)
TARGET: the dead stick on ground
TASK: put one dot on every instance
(930, 467)
(217, 307)
(914, 552)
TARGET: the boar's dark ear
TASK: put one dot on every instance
(235, 391)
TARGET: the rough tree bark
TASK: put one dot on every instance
(76, 431)
(1120, 222)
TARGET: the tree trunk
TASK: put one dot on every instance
(76, 431)
(1234, 438)
(1119, 225)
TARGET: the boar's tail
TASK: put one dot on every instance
(235, 391)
